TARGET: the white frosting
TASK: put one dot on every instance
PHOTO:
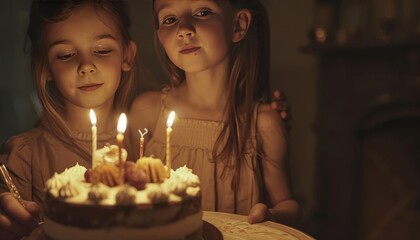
(68, 190)
(157, 194)
(187, 176)
(75, 173)
(97, 192)
(126, 196)
(175, 185)
(181, 184)
(109, 154)
(56, 181)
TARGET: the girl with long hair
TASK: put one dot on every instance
(82, 58)
(217, 55)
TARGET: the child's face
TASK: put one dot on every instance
(85, 56)
(196, 34)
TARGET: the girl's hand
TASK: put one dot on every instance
(15, 220)
(281, 105)
(259, 212)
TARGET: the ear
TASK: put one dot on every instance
(129, 56)
(242, 21)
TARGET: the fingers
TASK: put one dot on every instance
(279, 95)
(258, 213)
(32, 208)
(14, 217)
(10, 227)
(281, 106)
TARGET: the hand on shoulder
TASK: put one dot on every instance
(270, 120)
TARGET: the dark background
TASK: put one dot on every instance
(350, 69)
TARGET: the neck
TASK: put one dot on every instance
(77, 119)
(207, 89)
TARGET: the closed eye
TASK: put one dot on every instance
(103, 52)
(66, 56)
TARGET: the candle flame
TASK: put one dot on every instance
(92, 117)
(170, 119)
(122, 123)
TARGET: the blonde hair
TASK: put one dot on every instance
(46, 12)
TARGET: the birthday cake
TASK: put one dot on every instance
(123, 200)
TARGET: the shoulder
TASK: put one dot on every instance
(268, 117)
(26, 138)
(270, 126)
(22, 144)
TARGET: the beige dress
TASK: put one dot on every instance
(32, 157)
(192, 142)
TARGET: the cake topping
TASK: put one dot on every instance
(56, 181)
(175, 185)
(109, 155)
(188, 176)
(126, 196)
(108, 184)
(157, 194)
(108, 174)
(76, 172)
(134, 175)
(154, 169)
(68, 190)
(97, 193)
(192, 191)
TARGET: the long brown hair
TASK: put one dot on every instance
(46, 12)
(249, 67)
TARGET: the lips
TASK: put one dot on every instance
(90, 87)
(189, 50)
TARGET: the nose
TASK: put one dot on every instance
(185, 30)
(86, 67)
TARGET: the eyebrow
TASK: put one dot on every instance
(97, 38)
(163, 6)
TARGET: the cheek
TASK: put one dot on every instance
(166, 38)
(62, 72)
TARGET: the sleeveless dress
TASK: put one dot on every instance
(192, 142)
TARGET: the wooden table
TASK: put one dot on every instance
(225, 226)
(236, 227)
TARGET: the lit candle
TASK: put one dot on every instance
(94, 136)
(168, 140)
(142, 141)
(122, 124)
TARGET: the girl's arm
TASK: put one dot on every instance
(280, 206)
(17, 221)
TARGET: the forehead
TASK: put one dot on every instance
(84, 23)
(161, 4)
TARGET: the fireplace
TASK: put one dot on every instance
(368, 143)
(389, 196)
